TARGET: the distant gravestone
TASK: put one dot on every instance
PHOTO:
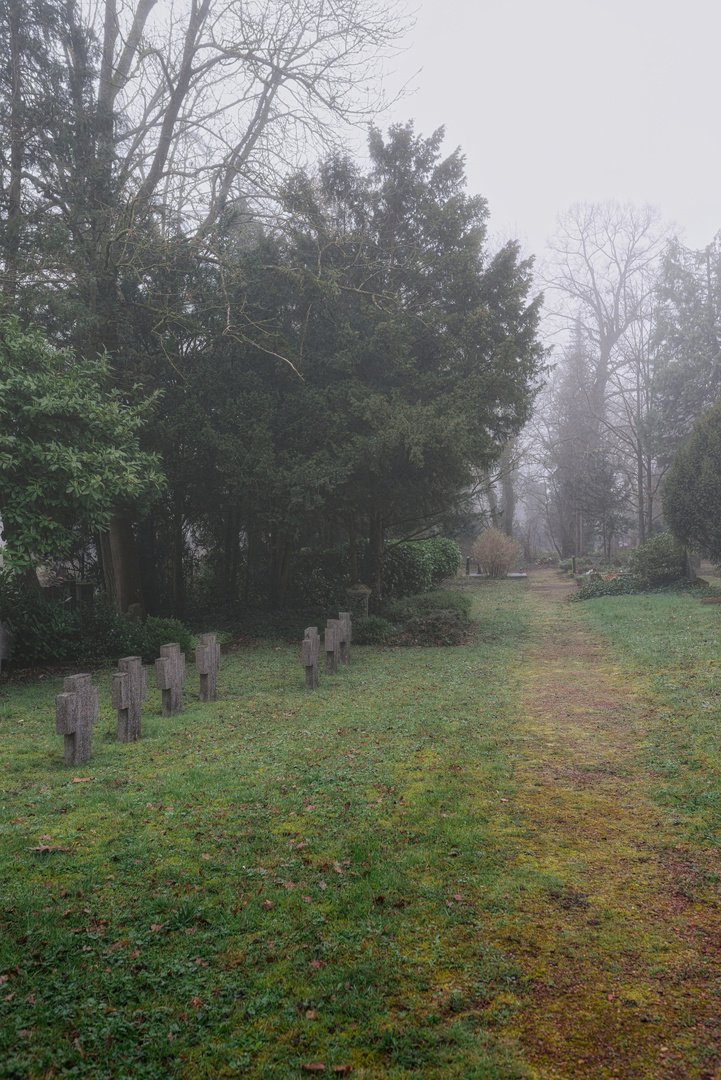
(129, 689)
(311, 652)
(170, 676)
(76, 710)
(346, 634)
(358, 596)
(207, 662)
(331, 644)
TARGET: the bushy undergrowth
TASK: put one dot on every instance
(441, 617)
(371, 630)
(45, 631)
(427, 603)
(660, 561)
(321, 575)
(496, 553)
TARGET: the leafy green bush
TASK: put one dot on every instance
(371, 630)
(103, 634)
(157, 632)
(620, 586)
(426, 603)
(44, 630)
(660, 561)
(436, 628)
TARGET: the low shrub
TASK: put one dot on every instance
(443, 627)
(371, 630)
(43, 630)
(157, 632)
(620, 586)
(660, 561)
(496, 553)
(426, 603)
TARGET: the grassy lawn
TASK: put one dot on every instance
(373, 879)
(278, 881)
(672, 643)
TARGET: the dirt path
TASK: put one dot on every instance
(624, 945)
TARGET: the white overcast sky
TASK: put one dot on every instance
(563, 101)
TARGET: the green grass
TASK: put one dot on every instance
(280, 879)
(673, 642)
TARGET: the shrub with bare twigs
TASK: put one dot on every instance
(496, 553)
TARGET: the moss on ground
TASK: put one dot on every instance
(493, 861)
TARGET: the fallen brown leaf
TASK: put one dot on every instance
(311, 1014)
(313, 1066)
(82, 779)
(268, 905)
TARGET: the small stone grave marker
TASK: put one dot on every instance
(346, 634)
(207, 662)
(331, 644)
(128, 691)
(76, 710)
(311, 652)
(170, 676)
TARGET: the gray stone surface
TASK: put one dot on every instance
(331, 645)
(129, 690)
(358, 596)
(76, 710)
(170, 676)
(346, 635)
(207, 662)
(311, 653)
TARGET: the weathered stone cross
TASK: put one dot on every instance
(311, 651)
(207, 662)
(170, 676)
(129, 688)
(76, 710)
(331, 644)
(346, 634)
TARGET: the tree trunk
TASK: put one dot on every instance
(121, 566)
(352, 549)
(14, 209)
(377, 544)
(178, 553)
(281, 550)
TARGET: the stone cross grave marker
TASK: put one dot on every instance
(331, 645)
(170, 676)
(346, 634)
(76, 710)
(207, 662)
(311, 652)
(129, 689)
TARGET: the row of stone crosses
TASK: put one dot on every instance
(77, 708)
(336, 646)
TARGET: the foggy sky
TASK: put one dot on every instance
(563, 101)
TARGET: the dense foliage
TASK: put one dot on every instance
(692, 493)
(69, 447)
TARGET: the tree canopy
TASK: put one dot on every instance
(692, 492)
(69, 447)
